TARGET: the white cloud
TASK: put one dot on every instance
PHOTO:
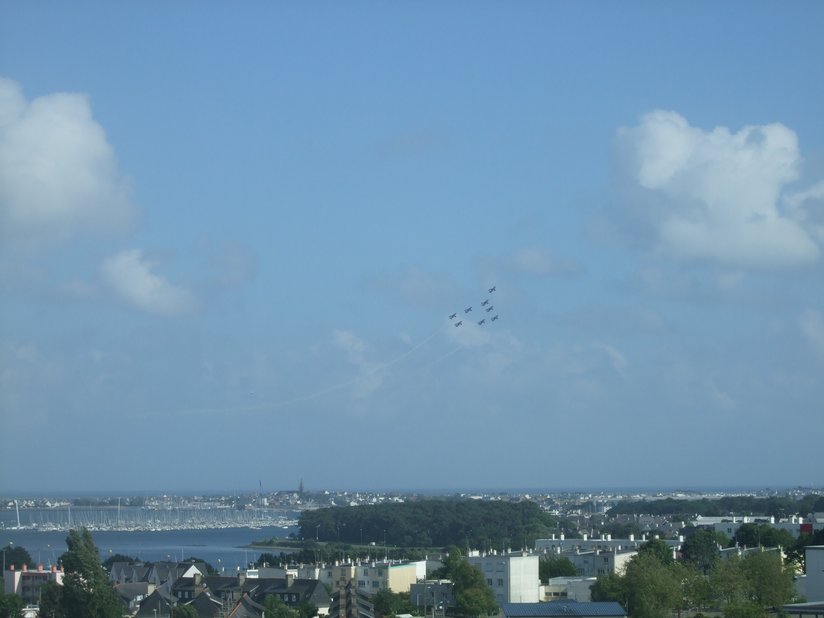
(129, 274)
(717, 192)
(808, 208)
(812, 326)
(542, 263)
(370, 377)
(58, 174)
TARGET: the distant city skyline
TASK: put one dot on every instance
(231, 238)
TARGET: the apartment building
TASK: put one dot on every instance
(513, 576)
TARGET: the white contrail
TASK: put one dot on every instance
(310, 396)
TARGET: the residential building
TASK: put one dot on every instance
(513, 577)
(597, 562)
(563, 609)
(27, 583)
(814, 582)
(431, 593)
(574, 588)
(561, 544)
(395, 576)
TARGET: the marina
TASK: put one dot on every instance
(152, 519)
(226, 549)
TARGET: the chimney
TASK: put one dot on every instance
(632, 537)
(25, 567)
(198, 579)
(54, 569)
(241, 578)
(290, 579)
(39, 568)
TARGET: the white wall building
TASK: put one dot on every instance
(513, 577)
(814, 582)
(561, 544)
(597, 562)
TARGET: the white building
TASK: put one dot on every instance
(597, 562)
(561, 544)
(513, 577)
(814, 582)
(575, 588)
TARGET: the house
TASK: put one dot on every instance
(563, 609)
(158, 603)
(132, 593)
(246, 608)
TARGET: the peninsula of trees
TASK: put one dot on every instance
(431, 523)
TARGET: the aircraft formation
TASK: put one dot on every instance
(486, 307)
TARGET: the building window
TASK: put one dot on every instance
(500, 582)
(488, 581)
(361, 584)
(376, 584)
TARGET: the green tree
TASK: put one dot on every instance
(653, 587)
(51, 601)
(307, 609)
(11, 606)
(184, 611)
(473, 597)
(555, 566)
(610, 587)
(388, 603)
(276, 608)
(86, 589)
(769, 583)
(268, 559)
(701, 549)
(16, 555)
(763, 535)
(657, 548)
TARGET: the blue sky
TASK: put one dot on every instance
(232, 235)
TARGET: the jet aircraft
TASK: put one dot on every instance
(452, 316)
(481, 322)
(468, 309)
(494, 317)
(492, 289)
(459, 322)
(490, 308)
(485, 303)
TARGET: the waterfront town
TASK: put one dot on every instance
(600, 539)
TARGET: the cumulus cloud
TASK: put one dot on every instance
(717, 193)
(812, 326)
(129, 274)
(58, 174)
(808, 208)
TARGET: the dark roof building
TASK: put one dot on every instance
(564, 609)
